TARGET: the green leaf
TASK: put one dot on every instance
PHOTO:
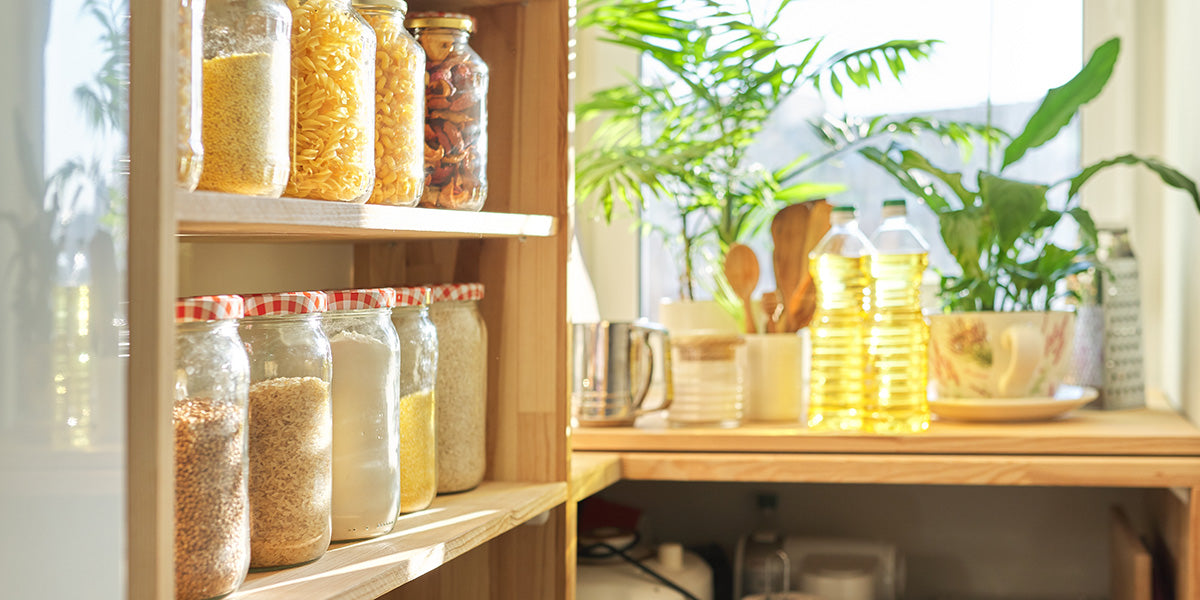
(1061, 103)
(1087, 228)
(1014, 207)
(803, 192)
(914, 160)
(1169, 175)
(962, 230)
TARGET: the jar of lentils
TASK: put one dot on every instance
(399, 105)
(212, 517)
(456, 87)
(333, 102)
(418, 374)
(291, 428)
(460, 392)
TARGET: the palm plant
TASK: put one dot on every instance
(681, 137)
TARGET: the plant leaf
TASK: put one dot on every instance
(1014, 207)
(1061, 103)
(1169, 175)
(914, 160)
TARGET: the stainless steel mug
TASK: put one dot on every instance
(612, 366)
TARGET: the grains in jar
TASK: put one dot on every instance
(461, 389)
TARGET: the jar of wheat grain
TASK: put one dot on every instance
(418, 374)
(212, 517)
(460, 393)
(291, 428)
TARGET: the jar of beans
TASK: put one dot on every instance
(247, 95)
(399, 105)
(291, 428)
(212, 517)
(190, 149)
(418, 373)
(455, 112)
(333, 106)
(366, 396)
(460, 392)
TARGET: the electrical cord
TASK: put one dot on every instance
(594, 551)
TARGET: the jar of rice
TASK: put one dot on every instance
(418, 373)
(190, 150)
(291, 428)
(247, 97)
(212, 517)
(399, 105)
(455, 112)
(366, 396)
(333, 106)
(460, 392)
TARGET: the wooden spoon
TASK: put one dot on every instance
(803, 301)
(788, 230)
(773, 309)
(741, 269)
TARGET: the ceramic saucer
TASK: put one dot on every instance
(1000, 410)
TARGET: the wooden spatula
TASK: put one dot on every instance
(788, 229)
(801, 305)
(741, 270)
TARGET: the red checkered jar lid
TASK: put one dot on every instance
(458, 291)
(209, 308)
(286, 303)
(361, 299)
(413, 296)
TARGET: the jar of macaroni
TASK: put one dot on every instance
(399, 105)
(333, 102)
(418, 373)
(455, 112)
(291, 428)
(247, 97)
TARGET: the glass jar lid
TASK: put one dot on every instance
(361, 299)
(441, 19)
(209, 308)
(457, 291)
(420, 295)
(285, 303)
(399, 5)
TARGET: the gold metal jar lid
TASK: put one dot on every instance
(441, 19)
(399, 5)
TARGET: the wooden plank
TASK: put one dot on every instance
(592, 472)
(152, 280)
(1075, 471)
(421, 542)
(1129, 564)
(1117, 433)
(1175, 517)
(209, 215)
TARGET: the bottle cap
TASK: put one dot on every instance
(209, 308)
(441, 19)
(399, 5)
(894, 202)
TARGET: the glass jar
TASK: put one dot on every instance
(291, 428)
(247, 96)
(366, 396)
(190, 148)
(456, 86)
(460, 392)
(333, 107)
(418, 373)
(212, 517)
(399, 105)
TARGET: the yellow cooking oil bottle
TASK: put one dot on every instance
(840, 382)
(898, 338)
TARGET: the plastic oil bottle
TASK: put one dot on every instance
(840, 382)
(899, 336)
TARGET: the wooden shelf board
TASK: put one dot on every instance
(1143, 432)
(1008, 470)
(421, 542)
(205, 216)
(592, 472)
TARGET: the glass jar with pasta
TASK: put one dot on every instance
(455, 112)
(333, 102)
(399, 105)
(190, 148)
(247, 95)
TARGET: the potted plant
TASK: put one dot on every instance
(1001, 233)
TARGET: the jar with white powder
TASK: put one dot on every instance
(291, 428)
(460, 393)
(418, 372)
(366, 394)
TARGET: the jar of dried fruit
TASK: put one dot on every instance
(366, 396)
(212, 517)
(418, 373)
(333, 106)
(460, 392)
(455, 112)
(399, 105)
(247, 96)
(291, 428)
(189, 148)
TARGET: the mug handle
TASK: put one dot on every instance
(1022, 347)
(668, 388)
